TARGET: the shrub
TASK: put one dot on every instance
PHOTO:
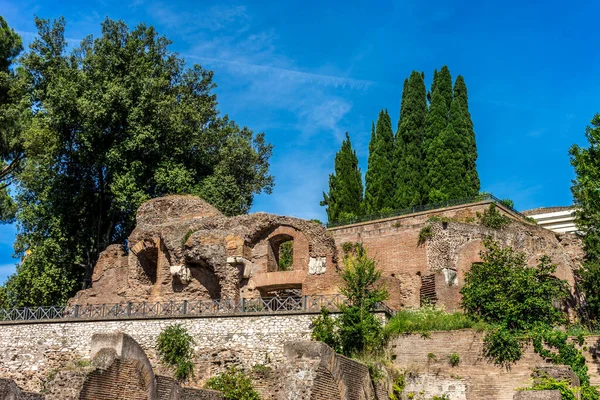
(503, 346)
(324, 330)
(454, 359)
(425, 234)
(566, 392)
(234, 384)
(508, 203)
(504, 290)
(359, 329)
(174, 347)
(492, 218)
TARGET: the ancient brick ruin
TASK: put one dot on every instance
(184, 249)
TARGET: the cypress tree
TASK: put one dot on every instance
(409, 163)
(379, 180)
(445, 158)
(369, 205)
(444, 84)
(345, 196)
(464, 126)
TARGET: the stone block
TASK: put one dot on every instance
(537, 395)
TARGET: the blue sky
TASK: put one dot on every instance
(304, 73)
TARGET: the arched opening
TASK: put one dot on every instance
(148, 261)
(203, 280)
(281, 253)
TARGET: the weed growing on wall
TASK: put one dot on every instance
(492, 218)
(174, 346)
(234, 384)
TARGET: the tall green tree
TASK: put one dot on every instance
(463, 124)
(14, 116)
(117, 121)
(586, 192)
(409, 160)
(379, 178)
(369, 201)
(442, 80)
(345, 196)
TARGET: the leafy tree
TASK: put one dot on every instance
(345, 184)
(325, 329)
(379, 178)
(234, 384)
(409, 160)
(359, 329)
(286, 255)
(460, 119)
(118, 121)
(14, 116)
(174, 347)
(504, 290)
(586, 192)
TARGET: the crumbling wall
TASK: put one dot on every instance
(313, 371)
(432, 270)
(425, 361)
(184, 249)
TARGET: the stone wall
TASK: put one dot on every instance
(31, 352)
(429, 373)
(415, 271)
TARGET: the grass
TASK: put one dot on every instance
(428, 319)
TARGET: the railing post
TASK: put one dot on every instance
(184, 310)
(304, 303)
(129, 309)
(76, 312)
(243, 304)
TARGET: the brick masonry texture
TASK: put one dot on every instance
(475, 377)
(442, 261)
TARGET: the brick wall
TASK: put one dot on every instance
(443, 260)
(426, 360)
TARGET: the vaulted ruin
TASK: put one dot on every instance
(184, 249)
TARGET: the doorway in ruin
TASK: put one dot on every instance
(204, 280)
(148, 262)
(281, 253)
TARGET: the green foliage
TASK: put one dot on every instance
(503, 346)
(554, 345)
(566, 391)
(345, 184)
(409, 157)
(15, 115)
(492, 218)
(316, 221)
(398, 385)
(586, 162)
(590, 393)
(427, 319)
(442, 397)
(286, 255)
(234, 384)
(117, 121)
(324, 329)
(379, 179)
(508, 203)
(359, 329)
(425, 234)
(504, 290)
(454, 359)
(174, 347)
(460, 119)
